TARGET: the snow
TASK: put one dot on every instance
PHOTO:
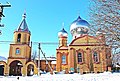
(107, 76)
(2, 58)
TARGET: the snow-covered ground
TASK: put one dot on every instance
(107, 76)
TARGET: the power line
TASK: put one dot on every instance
(55, 43)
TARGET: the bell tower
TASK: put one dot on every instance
(20, 50)
(22, 34)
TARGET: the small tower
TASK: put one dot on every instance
(62, 35)
(62, 51)
(20, 50)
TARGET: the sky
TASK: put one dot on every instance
(44, 19)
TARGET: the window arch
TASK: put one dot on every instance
(63, 59)
(17, 51)
(95, 57)
(80, 57)
(19, 38)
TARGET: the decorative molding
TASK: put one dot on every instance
(87, 44)
(17, 58)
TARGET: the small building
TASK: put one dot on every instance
(47, 64)
(85, 53)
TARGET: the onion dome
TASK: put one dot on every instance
(62, 33)
(79, 27)
(23, 25)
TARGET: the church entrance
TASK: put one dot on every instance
(15, 68)
(1, 70)
(30, 70)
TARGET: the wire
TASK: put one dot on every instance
(54, 43)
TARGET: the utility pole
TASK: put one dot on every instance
(47, 62)
(39, 60)
(45, 59)
(1, 13)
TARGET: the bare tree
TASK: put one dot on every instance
(105, 15)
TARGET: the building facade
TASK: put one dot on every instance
(85, 53)
(19, 60)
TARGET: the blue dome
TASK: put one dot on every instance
(79, 23)
(79, 27)
(62, 33)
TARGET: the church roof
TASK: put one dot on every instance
(23, 25)
(87, 40)
(79, 22)
(62, 33)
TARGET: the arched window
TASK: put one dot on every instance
(19, 38)
(95, 56)
(29, 39)
(17, 51)
(63, 59)
(79, 57)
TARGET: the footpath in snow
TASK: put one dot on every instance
(107, 76)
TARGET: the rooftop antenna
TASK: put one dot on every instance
(1, 11)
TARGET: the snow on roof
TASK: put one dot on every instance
(48, 58)
(2, 58)
(53, 62)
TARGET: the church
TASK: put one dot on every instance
(85, 53)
